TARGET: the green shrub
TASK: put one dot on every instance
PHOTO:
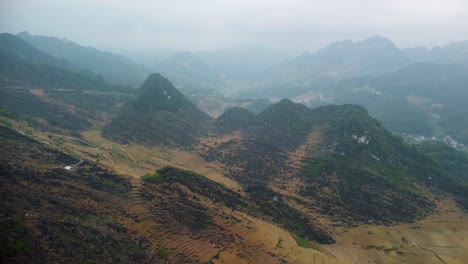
(119, 187)
(163, 252)
(305, 243)
(16, 239)
(154, 178)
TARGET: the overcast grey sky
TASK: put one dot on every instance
(300, 25)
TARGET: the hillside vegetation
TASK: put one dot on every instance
(53, 215)
(358, 169)
(159, 115)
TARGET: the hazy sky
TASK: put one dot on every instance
(300, 25)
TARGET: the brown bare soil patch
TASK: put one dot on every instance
(297, 157)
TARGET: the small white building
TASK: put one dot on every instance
(68, 167)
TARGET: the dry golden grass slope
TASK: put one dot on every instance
(440, 238)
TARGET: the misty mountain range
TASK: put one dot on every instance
(113, 67)
(191, 156)
(401, 87)
(341, 59)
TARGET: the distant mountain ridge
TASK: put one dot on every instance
(17, 47)
(188, 71)
(456, 52)
(114, 68)
(342, 59)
